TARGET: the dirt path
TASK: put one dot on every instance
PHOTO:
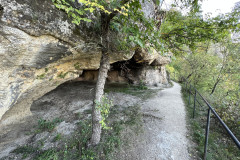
(164, 136)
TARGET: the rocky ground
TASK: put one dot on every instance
(163, 135)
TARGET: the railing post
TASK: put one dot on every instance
(195, 94)
(206, 134)
(189, 95)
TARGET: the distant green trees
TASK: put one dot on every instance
(214, 70)
(212, 64)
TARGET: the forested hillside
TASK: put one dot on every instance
(213, 67)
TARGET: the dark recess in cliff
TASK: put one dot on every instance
(1, 11)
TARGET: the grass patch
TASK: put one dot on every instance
(50, 154)
(45, 125)
(36, 153)
(25, 151)
(57, 137)
(140, 90)
(220, 146)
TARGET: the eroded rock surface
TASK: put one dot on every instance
(41, 49)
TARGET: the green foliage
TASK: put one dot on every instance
(104, 107)
(83, 137)
(142, 86)
(182, 33)
(215, 75)
(57, 137)
(50, 154)
(220, 146)
(45, 125)
(77, 66)
(135, 34)
(62, 75)
(211, 64)
(41, 76)
(25, 150)
(79, 9)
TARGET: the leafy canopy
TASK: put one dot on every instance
(78, 10)
(175, 32)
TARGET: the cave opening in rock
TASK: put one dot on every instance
(67, 98)
(77, 93)
(120, 72)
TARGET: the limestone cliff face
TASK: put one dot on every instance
(39, 50)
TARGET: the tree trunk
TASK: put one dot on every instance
(215, 86)
(102, 75)
(218, 79)
(96, 115)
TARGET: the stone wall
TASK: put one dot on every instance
(152, 75)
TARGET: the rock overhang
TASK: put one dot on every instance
(40, 49)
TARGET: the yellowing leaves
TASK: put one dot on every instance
(123, 8)
(77, 14)
(82, 1)
(89, 9)
(123, 13)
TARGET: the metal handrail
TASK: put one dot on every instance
(210, 109)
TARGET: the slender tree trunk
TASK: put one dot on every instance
(96, 115)
(102, 75)
(215, 86)
(218, 79)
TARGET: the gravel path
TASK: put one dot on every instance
(164, 136)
